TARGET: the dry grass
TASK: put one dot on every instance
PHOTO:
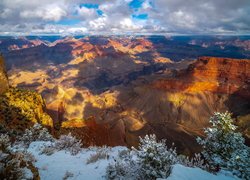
(100, 154)
(48, 150)
(68, 175)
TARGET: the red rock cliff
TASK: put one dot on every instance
(220, 75)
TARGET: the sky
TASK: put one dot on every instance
(107, 17)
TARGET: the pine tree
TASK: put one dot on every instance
(155, 158)
(224, 147)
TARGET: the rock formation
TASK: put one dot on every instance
(218, 75)
(20, 109)
(4, 84)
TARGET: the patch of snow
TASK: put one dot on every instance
(55, 166)
(180, 172)
(61, 163)
(27, 173)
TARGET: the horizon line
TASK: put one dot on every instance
(136, 34)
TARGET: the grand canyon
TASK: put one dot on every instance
(124, 89)
(111, 90)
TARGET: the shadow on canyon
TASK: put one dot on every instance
(157, 114)
(179, 47)
(38, 56)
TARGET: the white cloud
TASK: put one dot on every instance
(128, 24)
(146, 5)
(77, 30)
(49, 13)
(98, 23)
(177, 16)
(86, 13)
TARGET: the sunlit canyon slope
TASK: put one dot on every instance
(111, 90)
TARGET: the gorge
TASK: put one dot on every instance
(110, 91)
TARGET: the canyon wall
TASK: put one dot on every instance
(4, 84)
(177, 106)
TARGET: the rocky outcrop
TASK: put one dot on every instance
(20, 109)
(4, 84)
(211, 74)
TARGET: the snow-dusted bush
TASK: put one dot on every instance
(68, 143)
(124, 167)
(4, 142)
(123, 153)
(10, 166)
(119, 170)
(101, 153)
(35, 133)
(223, 147)
(13, 164)
(155, 158)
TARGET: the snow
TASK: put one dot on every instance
(55, 166)
(181, 172)
(27, 173)
(62, 163)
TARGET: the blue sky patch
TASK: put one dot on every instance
(90, 6)
(69, 21)
(99, 12)
(140, 16)
(135, 4)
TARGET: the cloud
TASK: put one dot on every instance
(128, 24)
(86, 13)
(119, 16)
(49, 13)
(203, 16)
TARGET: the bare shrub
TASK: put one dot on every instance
(196, 161)
(29, 157)
(48, 150)
(101, 153)
(68, 143)
(68, 175)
